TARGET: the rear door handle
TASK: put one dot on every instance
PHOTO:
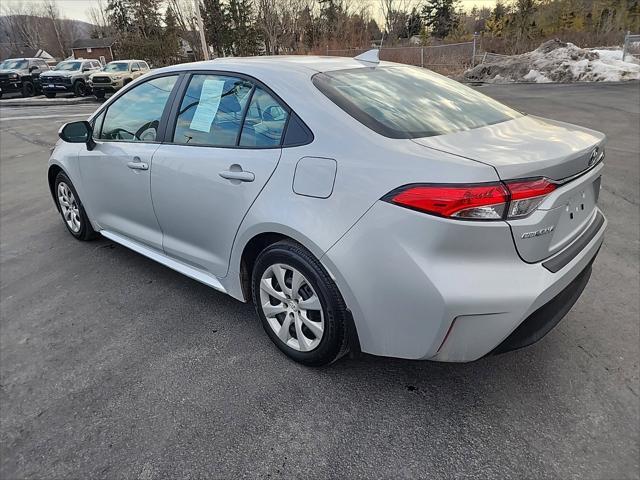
(238, 175)
(137, 164)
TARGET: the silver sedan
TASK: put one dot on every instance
(359, 204)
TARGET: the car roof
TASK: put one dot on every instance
(273, 64)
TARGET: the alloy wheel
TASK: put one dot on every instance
(69, 207)
(292, 307)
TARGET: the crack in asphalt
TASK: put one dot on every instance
(26, 138)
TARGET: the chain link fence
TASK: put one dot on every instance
(454, 58)
(631, 46)
(449, 59)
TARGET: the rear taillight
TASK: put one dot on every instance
(526, 195)
(483, 201)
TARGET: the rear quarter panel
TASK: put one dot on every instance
(368, 166)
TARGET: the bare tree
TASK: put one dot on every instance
(24, 23)
(184, 11)
(393, 11)
(98, 16)
(50, 11)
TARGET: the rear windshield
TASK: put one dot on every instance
(410, 102)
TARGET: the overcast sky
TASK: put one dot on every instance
(77, 9)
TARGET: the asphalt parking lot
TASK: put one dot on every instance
(112, 366)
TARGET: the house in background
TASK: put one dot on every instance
(94, 49)
(22, 51)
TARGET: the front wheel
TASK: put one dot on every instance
(28, 89)
(73, 213)
(299, 305)
(79, 89)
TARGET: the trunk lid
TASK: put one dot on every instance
(524, 147)
(529, 147)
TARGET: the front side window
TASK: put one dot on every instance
(410, 102)
(212, 111)
(265, 121)
(135, 116)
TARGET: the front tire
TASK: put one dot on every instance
(79, 89)
(99, 94)
(71, 209)
(28, 89)
(299, 305)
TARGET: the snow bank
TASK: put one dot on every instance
(555, 61)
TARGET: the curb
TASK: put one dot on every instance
(44, 102)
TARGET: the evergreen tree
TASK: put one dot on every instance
(414, 24)
(441, 17)
(245, 35)
(118, 15)
(171, 37)
(215, 18)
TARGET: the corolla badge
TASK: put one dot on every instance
(594, 157)
(538, 233)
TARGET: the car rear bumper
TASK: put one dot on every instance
(423, 287)
(543, 320)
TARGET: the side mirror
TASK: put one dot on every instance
(86, 69)
(78, 132)
(33, 68)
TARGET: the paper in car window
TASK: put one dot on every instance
(208, 105)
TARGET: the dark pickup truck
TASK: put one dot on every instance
(21, 75)
(69, 76)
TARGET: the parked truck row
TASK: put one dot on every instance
(32, 76)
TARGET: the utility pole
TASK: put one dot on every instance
(203, 41)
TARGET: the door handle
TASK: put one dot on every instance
(240, 175)
(138, 165)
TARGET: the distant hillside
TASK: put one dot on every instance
(18, 32)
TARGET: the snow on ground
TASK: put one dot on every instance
(555, 61)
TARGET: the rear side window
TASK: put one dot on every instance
(265, 121)
(135, 116)
(212, 111)
(409, 102)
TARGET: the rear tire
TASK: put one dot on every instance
(28, 89)
(71, 209)
(313, 310)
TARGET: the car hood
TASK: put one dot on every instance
(58, 73)
(526, 146)
(108, 74)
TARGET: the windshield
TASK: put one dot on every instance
(68, 66)
(116, 67)
(15, 64)
(410, 102)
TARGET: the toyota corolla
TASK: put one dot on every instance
(358, 204)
